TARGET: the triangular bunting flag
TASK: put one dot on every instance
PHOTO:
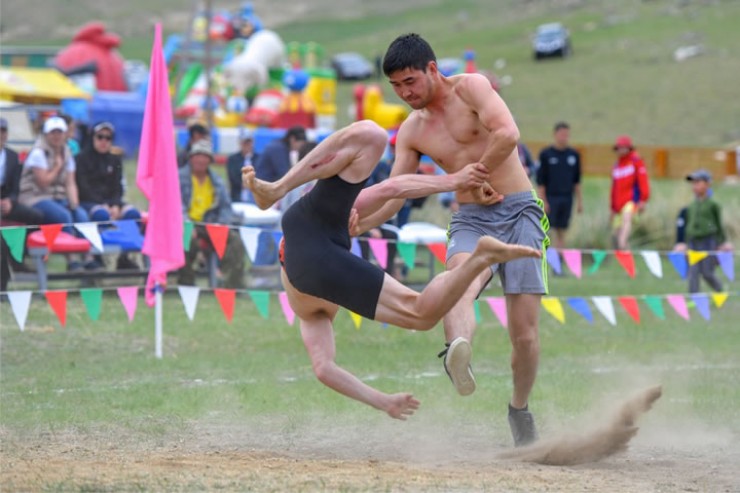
(91, 234)
(701, 300)
(629, 303)
(51, 231)
(277, 237)
(19, 302)
(439, 250)
(187, 234)
(553, 258)
(129, 296)
(92, 299)
(627, 261)
(379, 248)
(573, 261)
(726, 262)
(355, 248)
(476, 309)
(58, 302)
(678, 302)
(696, 257)
(580, 306)
(554, 307)
(287, 309)
(656, 306)
(599, 256)
(408, 253)
(219, 234)
(226, 298)
(250, 238)
(652, 260)
(606, 308)
(262, 300)
(719, 299)
(498, 307)
(189, 296)
(16, 239)
(679, 262)
(356, 319)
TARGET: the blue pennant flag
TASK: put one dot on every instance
(701, 301)
(278, 235)
(580, 306)
(553, 258)
(356, 250)
(678, 259)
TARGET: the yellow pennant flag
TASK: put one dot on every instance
(554, 308)
(357, 319)
(696, 257)
(719, 299)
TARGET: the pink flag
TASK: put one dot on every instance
(678, 302)
(157, 176)
(287, 310)
(128, 297)
(498, 307)
(380, 250)
(573, 261)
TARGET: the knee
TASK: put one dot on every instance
(99, 215)
(525, 342)
(369, 132)
(323, 369)
(131, 213)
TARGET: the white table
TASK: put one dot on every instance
(254, 216)
(422, 233)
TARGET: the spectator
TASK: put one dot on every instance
(245, 157)
(530, 167)
(558, 180)
(10, 209)
(196, 132)
(703, 231)
(630, 190)
(205, 200)
(280, 154)
(100, 183)
(48, 184)
(74, 145)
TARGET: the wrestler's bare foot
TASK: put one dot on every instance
(265, 193)
(498, 252)
(401, 406)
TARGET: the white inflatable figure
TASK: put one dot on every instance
(264, 49)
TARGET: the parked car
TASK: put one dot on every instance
(352, 66)
(552, 40)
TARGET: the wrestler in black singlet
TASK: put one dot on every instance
(317, 257)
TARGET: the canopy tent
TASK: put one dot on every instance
(37, 86)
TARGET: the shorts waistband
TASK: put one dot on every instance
(512, 198)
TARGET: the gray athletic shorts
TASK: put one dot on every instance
(519, 218)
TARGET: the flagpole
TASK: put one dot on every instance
(158, 321)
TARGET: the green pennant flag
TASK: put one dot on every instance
(599, 256)
(476, 307)
(15, 238)
(93, 298)
(262, 300)
(656, 306)
(187, 233)
(408, 253)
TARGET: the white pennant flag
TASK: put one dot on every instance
(20, 301)
(91, 234)
(652, 259)
(606, 308)
(189, 296)
(249, 238)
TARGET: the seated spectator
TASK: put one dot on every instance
(245, 157)
(196, 132)
(72, 142)
(100, 180)
(48, 184)
(280, 154)
(205, 200)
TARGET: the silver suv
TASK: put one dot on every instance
(551, 40)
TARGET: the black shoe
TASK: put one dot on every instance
(74, 266)
(522, 426)
(125, 263)
(457, 356)
(93, 265)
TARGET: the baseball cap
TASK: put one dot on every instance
(623, 141)
(104, 126)
(55, 123)
(3, 123)
(203, 146)
(699, 175)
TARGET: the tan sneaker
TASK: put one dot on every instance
(457, 357)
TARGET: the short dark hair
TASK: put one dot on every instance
(560, 125)
(197, 128)
(408, 51)
(297, 132)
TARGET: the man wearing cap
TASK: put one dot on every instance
(704, 231)
(206, 201)
(245, 157)
(196, 132)
(630, 190)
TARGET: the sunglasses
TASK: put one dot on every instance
(104, 137)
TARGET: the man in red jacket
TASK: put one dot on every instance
(630, 190)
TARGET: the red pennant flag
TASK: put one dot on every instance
(226, 298)
(58, 302)
(51, 231)
(626, 260)
(218, 233)
(629, 303)
(439, 250)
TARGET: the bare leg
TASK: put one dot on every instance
(559, 238)
(460, 320)
(352, 153)
(623, 234)
(523, 310)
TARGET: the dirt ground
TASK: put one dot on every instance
(330, 455)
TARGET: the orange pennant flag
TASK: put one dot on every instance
(226, 298)
(439, 250)
(218, 233)
(629, 303)
(58, 302)
(626, 260)
(51, 231)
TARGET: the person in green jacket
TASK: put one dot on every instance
(704, 231)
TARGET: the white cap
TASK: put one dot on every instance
(55, 123)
